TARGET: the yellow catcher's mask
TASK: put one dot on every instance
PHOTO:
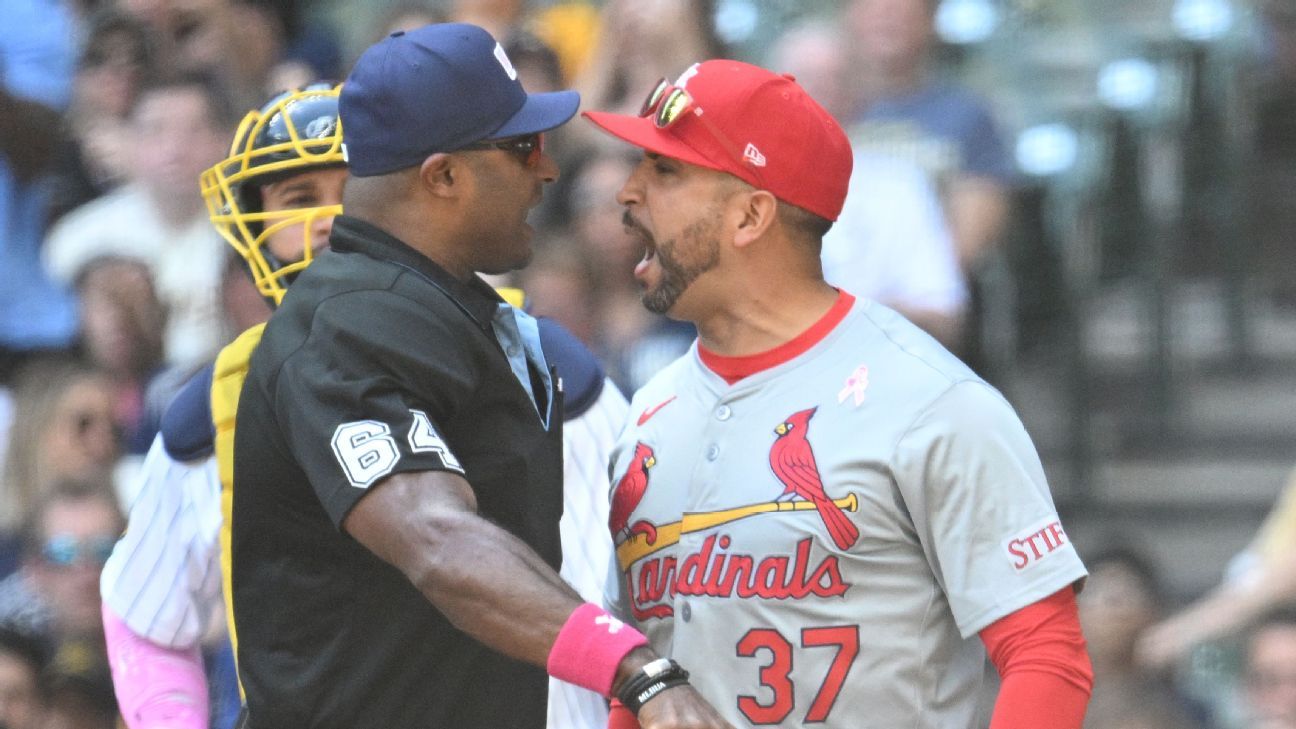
(295, 132)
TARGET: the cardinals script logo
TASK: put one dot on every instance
(718, 568)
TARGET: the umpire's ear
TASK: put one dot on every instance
(442, 174)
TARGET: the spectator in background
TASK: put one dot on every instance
(115, 61)
(891, 245)
(501, 18)
(249, 45)
(311, 50)
(178, 127)
(241, 302)
(1121, 599)
(406, 16)
(1128, 710)
(905, 110)
(22, 663)
(814, 51)
(1269, 672)
(1275, 151)
(78, 686)
(637, 44)
(560, 284)
(570, 28)
(67, 536)
(538, 69)
(36, 58)
(122, 321)
(1260, 579)
(632, 340)
(158, 15)
(63, 428)
(237, 42)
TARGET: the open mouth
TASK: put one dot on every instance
(635, 229)
(649, 250)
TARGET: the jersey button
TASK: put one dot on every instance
(686, 613)
(712, 452)
(723, 412)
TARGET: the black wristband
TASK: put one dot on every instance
(652, 679)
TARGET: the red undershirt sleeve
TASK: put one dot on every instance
(619, 717)
(1043, 663)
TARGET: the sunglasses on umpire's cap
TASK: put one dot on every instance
(756, 125)
(441, 88)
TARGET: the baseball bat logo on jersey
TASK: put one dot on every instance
(793, 462)
(712, 569)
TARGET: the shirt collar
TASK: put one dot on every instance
(475, 297)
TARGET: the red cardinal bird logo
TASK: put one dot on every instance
(793, 463)
(629, 492)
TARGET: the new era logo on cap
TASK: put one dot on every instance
(753, 155)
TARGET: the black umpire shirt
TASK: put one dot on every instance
(378, 362)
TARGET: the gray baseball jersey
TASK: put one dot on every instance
(819, 542)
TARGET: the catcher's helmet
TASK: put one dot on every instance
(294, 132)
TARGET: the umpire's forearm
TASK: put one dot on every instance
(494, 587)
(488, 582)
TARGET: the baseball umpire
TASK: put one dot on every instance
(818, 502)
(398, 461)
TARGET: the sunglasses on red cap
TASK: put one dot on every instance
(667, 104)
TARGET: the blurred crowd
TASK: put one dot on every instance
(114, 287)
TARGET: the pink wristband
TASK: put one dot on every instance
(590, 646)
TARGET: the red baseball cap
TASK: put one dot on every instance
(756, 125)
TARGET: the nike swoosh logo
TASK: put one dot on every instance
(653, 410)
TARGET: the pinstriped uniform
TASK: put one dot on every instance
(587, 547)
(163, 578)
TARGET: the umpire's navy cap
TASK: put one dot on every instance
(436, 89)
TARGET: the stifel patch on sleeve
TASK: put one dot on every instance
(1034, 544)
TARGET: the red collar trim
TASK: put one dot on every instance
(733, 369)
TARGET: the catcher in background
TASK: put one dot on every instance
(273, 199)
